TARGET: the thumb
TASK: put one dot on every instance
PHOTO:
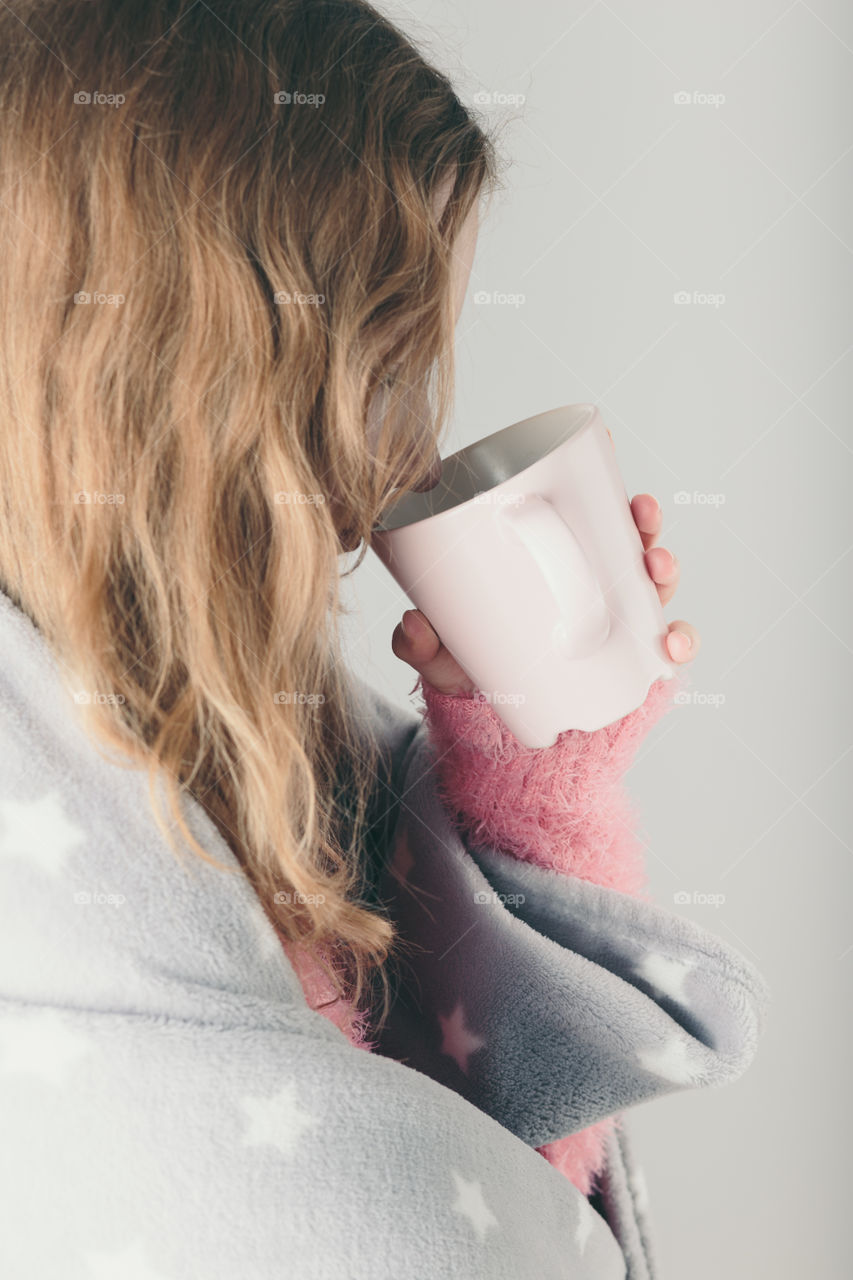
(414, 641)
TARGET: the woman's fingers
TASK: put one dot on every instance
(648, 518)
(662, 565)
(664, 571)
(682, 641)
(424, 651)
(427, 655)
(418, 644)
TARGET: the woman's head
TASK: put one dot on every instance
(227, 229)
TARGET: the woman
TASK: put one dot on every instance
(237, 238)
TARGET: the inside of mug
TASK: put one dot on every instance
(487, 463)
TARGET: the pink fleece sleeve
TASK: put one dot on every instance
(561, 807)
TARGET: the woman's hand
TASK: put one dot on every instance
(423, 650)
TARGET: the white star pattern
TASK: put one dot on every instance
(457, 1041)
(39, 831)
(665, 973)
(40, 1043)
(129, 1264)
(669, 1061)
(585, 1222)
(470, 1203)
(279, 1121)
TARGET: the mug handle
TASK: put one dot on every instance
(568, 578)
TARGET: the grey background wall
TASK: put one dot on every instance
(620, 197)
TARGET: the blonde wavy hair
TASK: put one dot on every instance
(220, 245)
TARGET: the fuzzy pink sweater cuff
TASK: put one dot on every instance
(561, 807)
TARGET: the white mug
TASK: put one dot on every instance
(527, 562)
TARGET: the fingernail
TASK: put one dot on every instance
(410, 624)
(684, 636)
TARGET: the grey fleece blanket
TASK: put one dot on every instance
(171, 1108)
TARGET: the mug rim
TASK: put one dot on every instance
(505, 455)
